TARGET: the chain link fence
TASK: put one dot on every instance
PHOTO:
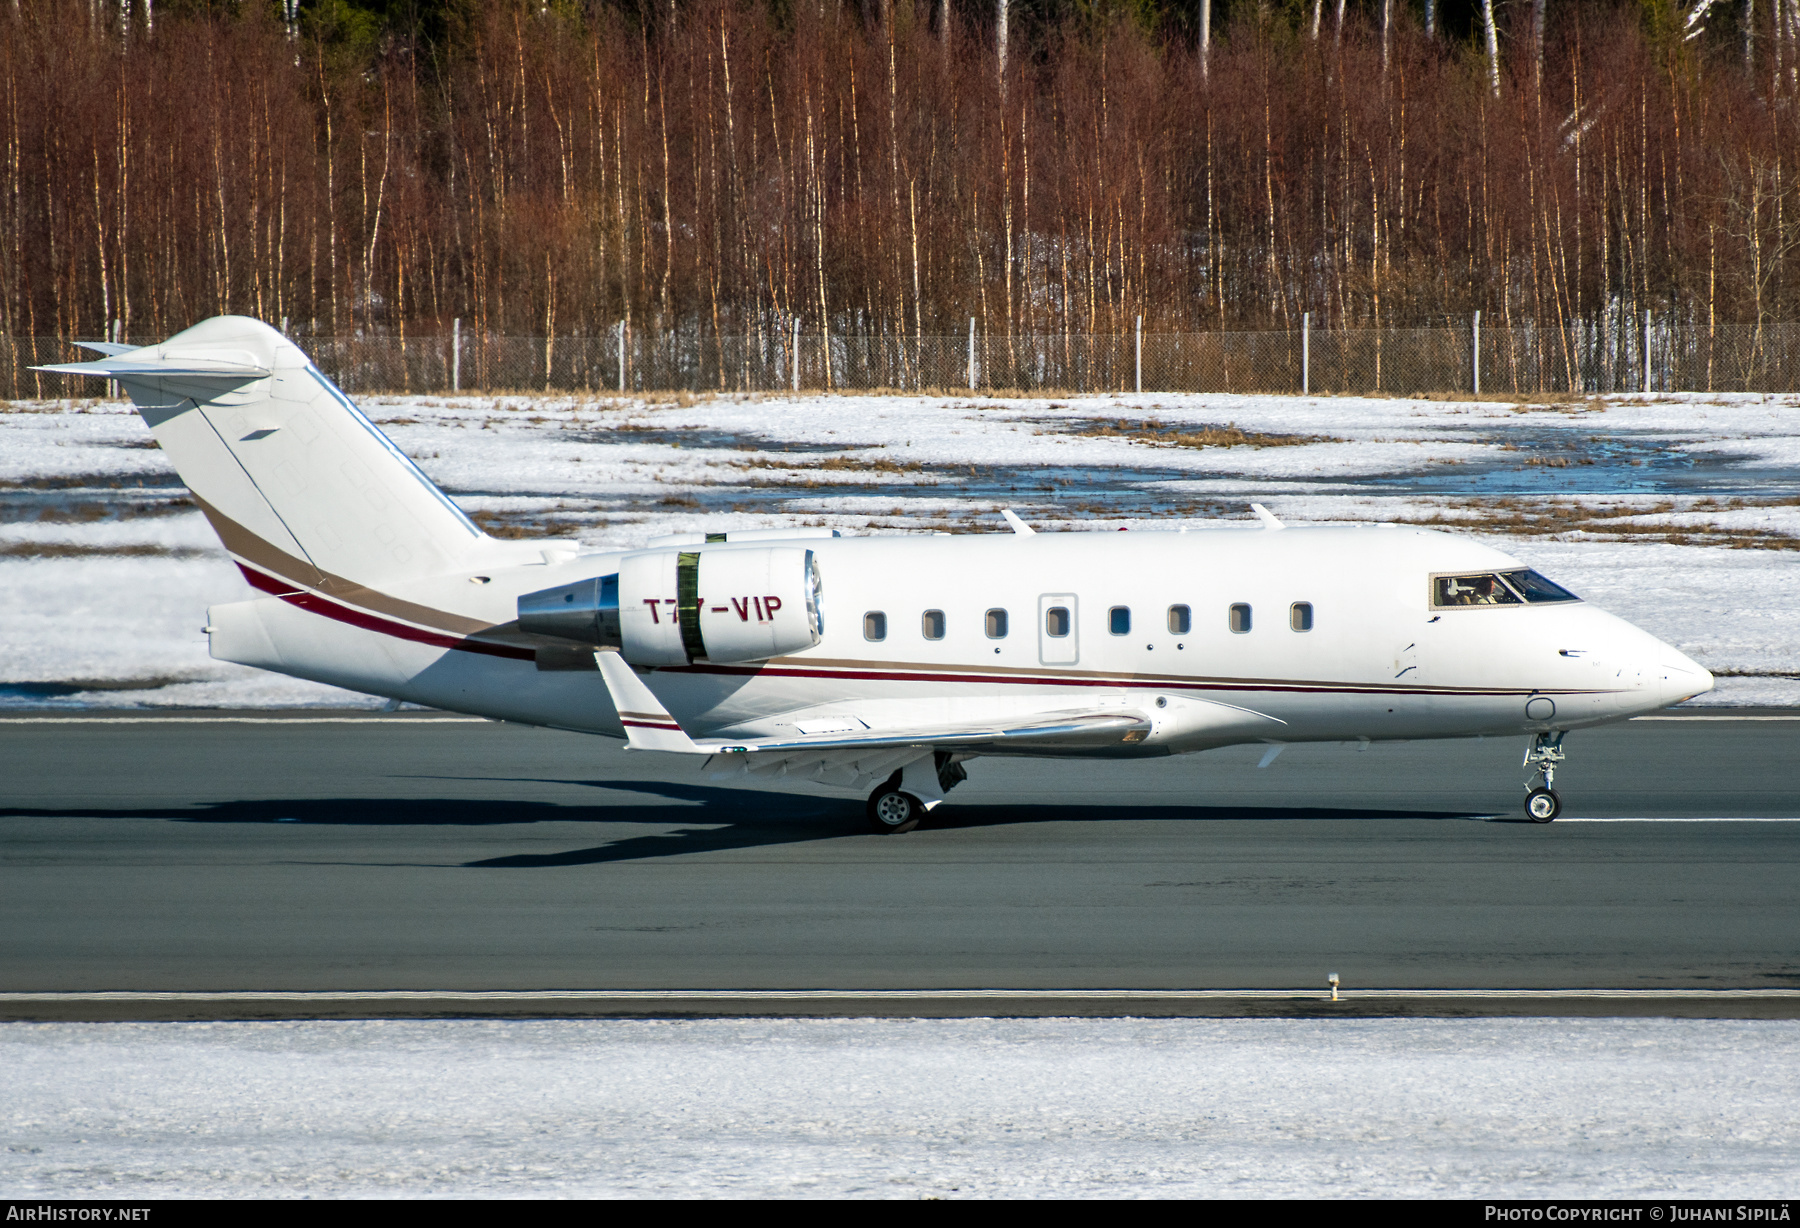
(1581, 357)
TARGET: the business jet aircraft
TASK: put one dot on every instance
(880, 663)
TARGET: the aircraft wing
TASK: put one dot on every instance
(855, 759)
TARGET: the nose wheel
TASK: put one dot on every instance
(1542, 805)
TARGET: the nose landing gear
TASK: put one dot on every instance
(1542, 805)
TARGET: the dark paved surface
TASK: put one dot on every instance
(397, 853)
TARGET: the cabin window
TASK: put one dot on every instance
(1300, 616)
(932, 624)
(1535, 588)
(996, 624)
(1118, 620)
(1181, 620)
(1471, 590)
(874, 625)
(1240, 618)
(1056, 621)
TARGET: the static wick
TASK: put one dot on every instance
(1333, 979)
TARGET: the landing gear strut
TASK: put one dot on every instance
(893, 809)
(1542, 805)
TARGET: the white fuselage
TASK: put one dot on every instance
(1378, 662)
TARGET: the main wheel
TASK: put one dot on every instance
(1542, 805)
(892, 812)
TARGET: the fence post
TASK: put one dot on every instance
(1140, 353)
(1306, 353)
(621, 356)
(1646, 350)
(456, 354)
(796, 353)
(1475, 351)
(971, 353)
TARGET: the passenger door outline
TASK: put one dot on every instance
(1064, 649)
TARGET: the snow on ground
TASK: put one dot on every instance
(976, 1108)
(115, 632)
(1680, 512)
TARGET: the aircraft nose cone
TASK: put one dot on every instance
(1674, 677)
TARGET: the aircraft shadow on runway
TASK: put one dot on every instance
(728, 818)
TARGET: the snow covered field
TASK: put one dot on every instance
(903, 1109)
(1680, 512)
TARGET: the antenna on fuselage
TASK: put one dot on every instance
(1266, 516)
(1018, 526)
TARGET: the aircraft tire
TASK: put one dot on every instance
(891, 812)
(1542, 805)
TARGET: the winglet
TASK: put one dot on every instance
(648, 725)
(1266, 516)
(1018, 526)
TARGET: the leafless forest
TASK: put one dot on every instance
(893, 168)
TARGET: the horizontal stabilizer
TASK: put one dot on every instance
(149, 361)
(107, 347)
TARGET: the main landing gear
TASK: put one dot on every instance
(891, 811)
(894, 808)
(1542, 805)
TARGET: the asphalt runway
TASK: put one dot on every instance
(383, 853)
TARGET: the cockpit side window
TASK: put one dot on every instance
(1471, 590)
(1536, 589)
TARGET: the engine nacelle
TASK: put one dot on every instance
(670, 607)
(719, 605)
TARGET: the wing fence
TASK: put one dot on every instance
(1522, 360)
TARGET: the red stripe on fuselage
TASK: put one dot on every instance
(1163, 683)
(313, 603)
(317, 604)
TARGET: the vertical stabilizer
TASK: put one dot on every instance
(297, 482)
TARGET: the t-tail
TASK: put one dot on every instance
(301, 487)
(364, 564)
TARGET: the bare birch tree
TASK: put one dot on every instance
(1492, 35)
(1206, 37)
(1001, 8)
(1537, 43)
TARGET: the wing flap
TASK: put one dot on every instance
(649, 726)
(1072, 728)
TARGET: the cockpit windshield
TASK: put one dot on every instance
(1534, 588)
(1502, 588)
(1472, 590)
